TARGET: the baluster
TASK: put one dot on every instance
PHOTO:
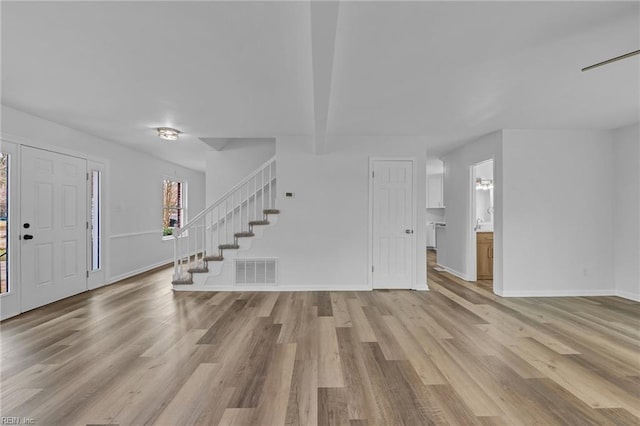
(262, 191)
(216, 243)
(233, 214)
(270, 186)
(246, 203)
(211, 239)
(255, 197)
(175, 257)
(204, 239)
(226, 222)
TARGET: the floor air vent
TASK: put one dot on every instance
(256, 271)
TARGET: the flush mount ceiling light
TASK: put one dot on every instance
(168, 134)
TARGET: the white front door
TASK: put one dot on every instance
(53, 227)
(392, 219)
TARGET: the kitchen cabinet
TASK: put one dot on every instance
(435, 188)
(484, 253)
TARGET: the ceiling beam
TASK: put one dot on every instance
(324, 24)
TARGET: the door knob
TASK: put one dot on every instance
(28, 237)
(408, 231)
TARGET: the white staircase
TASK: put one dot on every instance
(228, 225)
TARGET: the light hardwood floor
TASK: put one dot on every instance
(137, 353)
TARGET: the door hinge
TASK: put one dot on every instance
(373, 174)
(371, 268)
(87, 274)
(87, 224)
(87, 176)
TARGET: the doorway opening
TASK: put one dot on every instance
(435, 212)
(482, 225)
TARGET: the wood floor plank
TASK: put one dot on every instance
(391, 384)
(329, 364)
(237, 417)
(273, 411)
(325, 307)
(306, 336)
(359, 321)
(421, 362)
(302, 409)
(361, 401)
(340, 310)
(249, 383)
(200, 401)
(332, 407)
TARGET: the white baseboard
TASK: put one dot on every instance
(456, 273)
(558, 293)
(137, 271)
(221, 287)
(627, 295)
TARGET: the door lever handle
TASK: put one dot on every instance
(408, 231)
(28, 237)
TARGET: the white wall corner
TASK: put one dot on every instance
(627, 295)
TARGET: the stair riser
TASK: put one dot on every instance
(216, 268)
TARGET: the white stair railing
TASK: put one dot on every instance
(198, 241)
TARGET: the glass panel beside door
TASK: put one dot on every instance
(4, 223)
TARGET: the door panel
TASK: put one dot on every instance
(392, 204)
(53, 213)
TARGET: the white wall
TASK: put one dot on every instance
(322, 236)
(557, 212)
(458, 216)
(435, 215)
(233, 163)
(133, 186)
(626, 212)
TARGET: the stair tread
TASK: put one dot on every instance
(228, 246)
(214, 258)
(181, 282)
(197, 270)
(244, 234)
(259, 222)
(271, 211)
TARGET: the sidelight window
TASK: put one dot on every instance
(4, 223)
(173, 211)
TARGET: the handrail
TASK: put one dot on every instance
(224, 197)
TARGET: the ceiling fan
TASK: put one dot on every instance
(608, 61)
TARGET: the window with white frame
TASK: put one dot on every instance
(4, 222)
(173, 208)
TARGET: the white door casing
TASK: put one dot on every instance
(54, 205)
(10, 300)
(392, 220)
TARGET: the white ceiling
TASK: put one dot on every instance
(446, 70)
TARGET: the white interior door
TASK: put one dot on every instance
(392, 224)
(53, 227)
